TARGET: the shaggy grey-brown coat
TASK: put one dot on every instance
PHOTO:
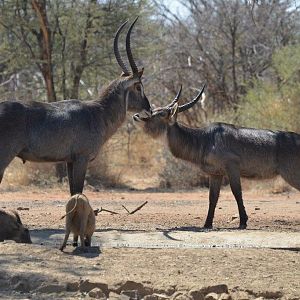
(221, 149)
(70, 131)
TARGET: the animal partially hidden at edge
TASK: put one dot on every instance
(11, 227)
(71, 131)
(80, 220)
(221, 149)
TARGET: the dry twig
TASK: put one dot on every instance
(135, 210)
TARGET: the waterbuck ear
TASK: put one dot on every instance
(174, 110)
(140, 73)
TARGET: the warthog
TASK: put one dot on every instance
(80, 220)
(11, 227)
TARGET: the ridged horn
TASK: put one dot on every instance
(190, 104)
(117, 52)
(132, 63)
(176, 97)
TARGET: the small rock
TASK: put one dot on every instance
(86, 286)
(211, 296)
(218, 289)
(225, 296)
(271, 294)
(150, 297)
(180, 295)
(256, 208)
(240, 295)
(132, 285)
(234, 217)
(169, 290)
(22, 208)
(72, 286)
(97, 294)
(133, 294)
(162, 296)
(115, 296)
(22, 286)
(196, 294)
(51, 288)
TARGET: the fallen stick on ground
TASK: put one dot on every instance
(107, 210)
(126, 208)
(135, 210)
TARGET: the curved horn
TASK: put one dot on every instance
(176, 97)
(128, 49)
(116, 50)
(188, 105)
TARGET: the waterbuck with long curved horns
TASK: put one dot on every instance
(71, 131)
(221, 149)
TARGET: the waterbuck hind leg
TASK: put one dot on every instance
(79, 170)
(291, 174)
(233, 173)
(214, 192)
(88, 241)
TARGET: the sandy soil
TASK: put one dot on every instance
(263, 273)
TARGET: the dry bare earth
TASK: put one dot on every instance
(39, 271)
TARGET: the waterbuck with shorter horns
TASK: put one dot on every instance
(71, 131)
(221, 149)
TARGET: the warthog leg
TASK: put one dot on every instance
(64, 244)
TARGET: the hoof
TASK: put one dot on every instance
(243, 226)
(208, 226)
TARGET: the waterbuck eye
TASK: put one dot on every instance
(163, 113)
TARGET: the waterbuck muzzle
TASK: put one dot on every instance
(169, 112)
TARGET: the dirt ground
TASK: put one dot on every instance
(248, 273)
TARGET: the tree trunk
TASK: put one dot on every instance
(45, 46)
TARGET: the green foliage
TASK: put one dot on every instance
(275, 103)
(70, 24)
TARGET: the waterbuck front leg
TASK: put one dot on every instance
(75, 240)
(214, 192)
(233, 172)
(76, 174)
(70, 177)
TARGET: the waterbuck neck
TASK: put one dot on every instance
(186, 143)
(110, 109)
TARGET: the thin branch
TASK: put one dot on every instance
(135, 210)
(106, 210)
(138, 208)
(126, 209)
